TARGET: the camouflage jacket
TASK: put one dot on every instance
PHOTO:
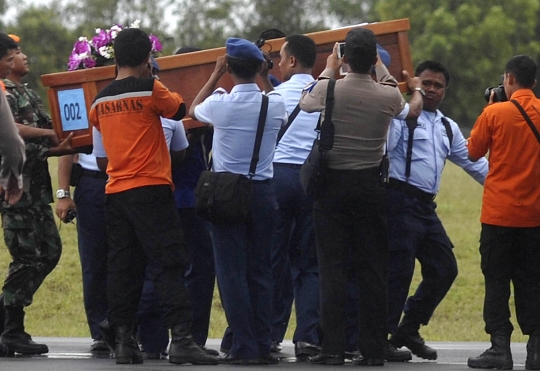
(27, 109)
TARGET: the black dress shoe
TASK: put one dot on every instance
(302, 350)
(268, 360)
(326, 359)
(393, 354)
(209, 351)
(361, 361)
(227, 359)
(275, 346)
(99, 346)
(414, 342)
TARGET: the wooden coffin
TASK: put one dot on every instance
(71, 93)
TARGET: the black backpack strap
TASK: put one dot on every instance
(327, 128)
(448, 128)
(258, 137)
(411, 124)
(293, 115)
(528, 119)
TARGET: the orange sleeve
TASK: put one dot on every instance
(165, 102)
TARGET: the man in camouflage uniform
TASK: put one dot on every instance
(30, 232)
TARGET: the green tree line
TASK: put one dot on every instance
(473, 38)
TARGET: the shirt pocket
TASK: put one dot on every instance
(421, 144)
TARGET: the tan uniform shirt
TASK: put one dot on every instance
(363, 110)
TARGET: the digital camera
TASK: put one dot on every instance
(71, 214)
(499, 96)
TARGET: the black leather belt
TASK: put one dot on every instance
(95, 174)
(410, 190)
(292, 166)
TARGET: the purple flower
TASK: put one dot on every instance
(99, 51)
(89, 62)
(101, 39)
(74, 62)
(156, 45)
(82, 46)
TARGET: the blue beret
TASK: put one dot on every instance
(385, 56)
(243, 49)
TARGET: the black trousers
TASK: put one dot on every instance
(143, 228)
(350, 229)
(511, 255)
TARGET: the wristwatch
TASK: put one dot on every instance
(421, 91)
(62, 193)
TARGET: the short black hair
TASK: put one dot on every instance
(435, 67)
(131, 47)
(271, 33)
(244, 68)
(6, 43)
(303, 48)
(361, 49)
(524, 70)
(188, 49)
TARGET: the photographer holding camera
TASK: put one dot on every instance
(510, 236)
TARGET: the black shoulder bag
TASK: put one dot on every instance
(313, 172)
(224, 197)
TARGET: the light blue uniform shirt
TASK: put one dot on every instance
(175, 134)
(235, 116)
(431, 148)
(295, 145)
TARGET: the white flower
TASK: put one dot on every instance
(135, 24)
(106, 52)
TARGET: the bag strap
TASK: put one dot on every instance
(528, 119)
(258, 136)
(448, 128)
(411, 125)
(326, 129)
(284, 129)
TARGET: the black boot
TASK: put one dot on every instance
(498, 356)
(107, 332)
(393, 354)
(183, 348)
(127, 350)
(14, 338)
(407, 335)
(533, 353)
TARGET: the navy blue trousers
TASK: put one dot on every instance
(201, 275)
(294, 259)
(243, 268)
(92, 241)
(416, 232)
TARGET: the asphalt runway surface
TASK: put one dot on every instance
(72, 354)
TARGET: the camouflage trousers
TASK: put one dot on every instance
(32, 238)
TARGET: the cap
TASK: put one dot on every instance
(155, 65)
(16, 38)
(243, 49)
(361, 42)
(385, 56)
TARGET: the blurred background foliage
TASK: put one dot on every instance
(473, 38)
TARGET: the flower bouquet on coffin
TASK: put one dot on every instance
(99, 51)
